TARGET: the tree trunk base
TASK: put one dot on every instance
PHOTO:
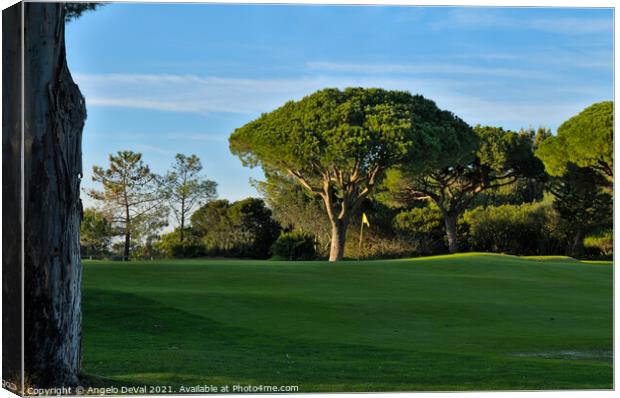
(339, 234)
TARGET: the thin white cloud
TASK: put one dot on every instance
(435, 69)
(124, 78)
(485, 19)
(190, 93)
(571, 25)
(126, 135)
(514, 115)
(540, 58)
(208, 137)
(154, 149)
(184, 93)
(142, 103)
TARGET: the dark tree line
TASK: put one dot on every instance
(244, 228)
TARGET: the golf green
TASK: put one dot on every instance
(457, 322)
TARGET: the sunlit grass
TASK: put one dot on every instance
(459, 322)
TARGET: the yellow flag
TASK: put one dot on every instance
(365, 220)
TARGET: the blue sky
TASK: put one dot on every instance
(166, 78)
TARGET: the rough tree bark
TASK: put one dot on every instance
(54, 114)
(11, 195)
(450, 222)
(577, 247)
(339, 216)
(354, 189)
(339, 235)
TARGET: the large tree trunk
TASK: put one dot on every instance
(54, 117)
(339, 234)
(577, 247)
(12, 220)
(450, 222)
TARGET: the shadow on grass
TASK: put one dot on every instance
(132, 340)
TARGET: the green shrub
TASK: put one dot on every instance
(187, 249)
(424, 227)
(603, 242)
(241, 229)
(294, 246)
(525, 229)
(170, 245)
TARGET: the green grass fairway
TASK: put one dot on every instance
(460, 322)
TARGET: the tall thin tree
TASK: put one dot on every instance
(185, 189)
(131, 193)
